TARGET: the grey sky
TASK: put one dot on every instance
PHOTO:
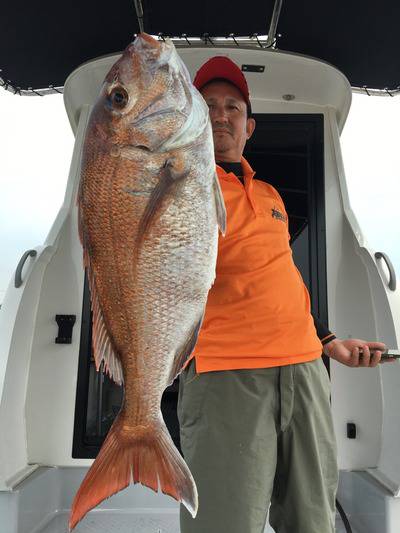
(37, 144)
(372, 163)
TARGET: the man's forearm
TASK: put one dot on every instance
(324, 335)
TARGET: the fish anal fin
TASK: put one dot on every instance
(184, 352)
(103, 348)
(220, 206)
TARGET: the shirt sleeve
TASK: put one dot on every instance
(323, 332)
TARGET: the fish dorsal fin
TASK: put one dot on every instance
(184, 351)
(103, 348)
(220, 206)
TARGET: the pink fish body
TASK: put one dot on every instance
(149, 210)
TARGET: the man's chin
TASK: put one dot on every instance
(221, 151)
(220, 147)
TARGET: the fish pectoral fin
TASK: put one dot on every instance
(184, 352)
(171, 176)
(220, 206)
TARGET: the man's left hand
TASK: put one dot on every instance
(347, 352)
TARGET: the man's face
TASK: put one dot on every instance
(230, 125)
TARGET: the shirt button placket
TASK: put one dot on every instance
(249, 188)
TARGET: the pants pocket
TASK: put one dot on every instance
(192, 392)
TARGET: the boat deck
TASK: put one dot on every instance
(124, 522)
(41, 504)
(117, 522)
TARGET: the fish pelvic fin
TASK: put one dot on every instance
(103, 347)
(139, 454)
(185, 351)
(220, 206)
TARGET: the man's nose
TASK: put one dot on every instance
(218, 115)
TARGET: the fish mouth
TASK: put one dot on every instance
(148, 39)
(153, 50)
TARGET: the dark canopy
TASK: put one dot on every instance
(42, 42)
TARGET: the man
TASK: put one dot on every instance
(253, 404)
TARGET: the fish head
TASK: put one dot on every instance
(147, 99)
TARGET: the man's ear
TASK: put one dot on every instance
(250, 127)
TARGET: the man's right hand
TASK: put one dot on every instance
(347, 352)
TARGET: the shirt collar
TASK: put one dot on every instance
(248, 172)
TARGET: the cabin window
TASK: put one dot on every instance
(287, 151)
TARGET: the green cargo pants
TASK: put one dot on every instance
(255, 437)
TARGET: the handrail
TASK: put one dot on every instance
(18, 272)
(392, 273)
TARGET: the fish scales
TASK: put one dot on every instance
(149, 208)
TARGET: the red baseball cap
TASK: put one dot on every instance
(225, 68)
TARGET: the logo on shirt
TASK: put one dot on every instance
(278, 215)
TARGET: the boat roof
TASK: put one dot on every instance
(40, 48)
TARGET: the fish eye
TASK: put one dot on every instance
(118, 97)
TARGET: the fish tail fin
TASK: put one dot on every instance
(142, 454)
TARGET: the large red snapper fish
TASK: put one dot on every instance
(149, 209)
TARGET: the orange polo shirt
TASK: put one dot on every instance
(258, 309)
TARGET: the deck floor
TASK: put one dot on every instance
(117, 522)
